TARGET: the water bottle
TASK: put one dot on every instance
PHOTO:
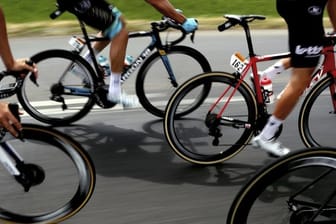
(77, 43)
(128, 60)
(267, 90)
(104, 63)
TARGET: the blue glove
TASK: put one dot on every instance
(190, 25)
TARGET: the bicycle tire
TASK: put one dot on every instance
(45, 101)
(316, 111)
(282, 191)
(153, 69)
(56, 198)
(189, 136)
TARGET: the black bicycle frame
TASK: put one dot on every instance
(155, 43)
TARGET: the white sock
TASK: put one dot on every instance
(270, 128)
(88, 57)
(115, 86)
(273, 70)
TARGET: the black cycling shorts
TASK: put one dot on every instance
(95, 13)
(304, 19)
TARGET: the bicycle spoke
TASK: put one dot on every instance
(209, 138)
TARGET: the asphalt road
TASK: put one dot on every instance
(139, 179)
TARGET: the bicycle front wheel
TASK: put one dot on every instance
(203, 136)
(62, 174)
(317, 115)
(297, 188)
(65, 90)
(154, 87)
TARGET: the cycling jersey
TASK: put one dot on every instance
(304, 19)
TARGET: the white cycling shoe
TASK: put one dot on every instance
(271, 146)
(127, 101)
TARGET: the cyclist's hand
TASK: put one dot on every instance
(21, 64)
(190, 25)
(8, 120)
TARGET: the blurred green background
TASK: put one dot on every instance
(30, 17)
(23, 11)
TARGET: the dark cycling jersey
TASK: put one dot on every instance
(304, 19)
(95, 13)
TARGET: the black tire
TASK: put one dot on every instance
(189, 135)
(153, 69)
(52, 64)
(284, 191)
(318, 110)
(67, 186)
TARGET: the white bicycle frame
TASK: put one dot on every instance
(7, 155)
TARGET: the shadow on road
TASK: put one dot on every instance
(145, 155)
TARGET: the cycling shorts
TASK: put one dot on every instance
(304, 19)
(97, 14)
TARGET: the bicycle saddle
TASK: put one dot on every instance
(238, 19)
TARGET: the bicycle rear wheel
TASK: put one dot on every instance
(290, 190)
(201, 137)
(68, 183)
(184, 61)
(65, 91)
(317, 114)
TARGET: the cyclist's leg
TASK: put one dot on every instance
(277, 68)
(300, 79)
(109, 20)
(117, 54)
(97, 46)
(305, 46)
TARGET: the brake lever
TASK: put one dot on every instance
(14, 109)
(32, 77)
(192, 36)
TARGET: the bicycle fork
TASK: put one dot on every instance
(167, 65)
(27, 175)
(143, 56)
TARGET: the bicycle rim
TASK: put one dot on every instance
(190, 136)
(317, 115)
(67, 186)
(289, 190)
(153, 85)
(65, 91)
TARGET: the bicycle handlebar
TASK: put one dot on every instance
(167, 23)
(56, 13)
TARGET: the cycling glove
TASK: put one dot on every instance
(190, 25)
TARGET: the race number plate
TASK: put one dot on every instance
(237, 62)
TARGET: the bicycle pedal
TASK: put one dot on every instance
(101, 98)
